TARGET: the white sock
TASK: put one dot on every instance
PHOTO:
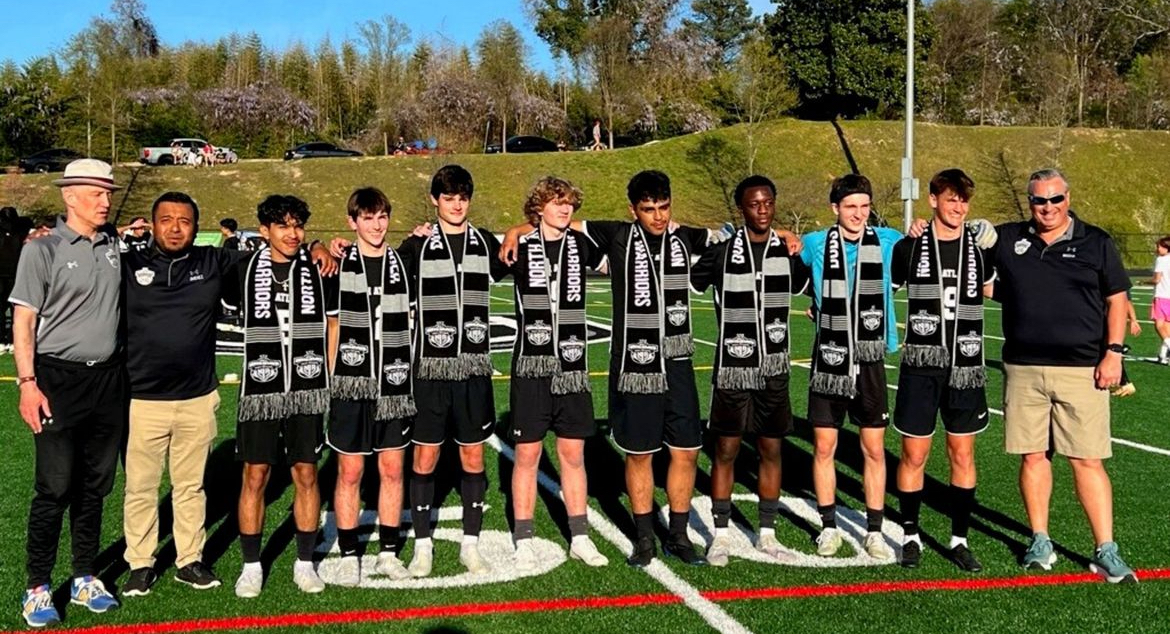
(957, 541)
(721, 531)
(252, 565)
(302, 566)
(470, 540)
(916, 538)
(424, 542)
(771, 532)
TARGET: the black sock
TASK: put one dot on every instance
(306, 542)
(472, 490)
(578, 525)
(678, 524)
(388, 538)
(422, 495)
(828, 515)
(644, 525)
(911, 507)
(962, 503)
(873, 520)
(721, 511)
(250, 546)
(524, 530)
(768, 511)
(347, 542)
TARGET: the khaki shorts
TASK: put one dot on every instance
(1051, 408)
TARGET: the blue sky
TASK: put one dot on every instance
(27, 31)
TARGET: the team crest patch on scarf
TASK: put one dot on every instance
(440, 335)
(263, 369)
(924, 324)
(309, 365)
(643, 352)
(353, 353)
(572, 349)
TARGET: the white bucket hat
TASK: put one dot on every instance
(88, 172)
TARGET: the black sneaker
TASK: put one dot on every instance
(197, 576)
(911, 554)
(644, 552)
(139, 583)
(684, 550)
(965, 559)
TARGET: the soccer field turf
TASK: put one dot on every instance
(848, 593)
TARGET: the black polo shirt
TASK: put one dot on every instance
(172, 306)
(1053, 295)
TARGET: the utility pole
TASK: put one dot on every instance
(909, 183)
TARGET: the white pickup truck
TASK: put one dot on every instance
(187, 147)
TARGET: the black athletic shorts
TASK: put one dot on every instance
(535, 410)
(766, 413)
(466, 409)
(353, 428)
(289, 441)
(869, 408)
(643, 423)
(924, 396)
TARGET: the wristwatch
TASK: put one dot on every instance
(1119, 348)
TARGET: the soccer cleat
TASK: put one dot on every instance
(251, 581)
(581, 547)
(1108, 563)
(139, 583)
(1040, 554)
(525, 556)
(965, 559)
(390, 566)
(911, 554)
(875, 546)
(306, 577)
(37, 607)
(471, 559)
(91, 592)
(349, 572)
(770, 546)
(644, 551)
(423, 559)
(719, 552)
(681, 548)
(196, 575)
(829, 542)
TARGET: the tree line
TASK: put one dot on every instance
(646, 68)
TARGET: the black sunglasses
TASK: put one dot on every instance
(1040, 200)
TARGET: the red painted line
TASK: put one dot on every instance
(592, 603)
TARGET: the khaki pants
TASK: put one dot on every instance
(180, 433)
(1051, 408)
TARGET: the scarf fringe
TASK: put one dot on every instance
(308, 402)
(833, 384)
(871, 351)
(476, 364)
(639, 383)
(538, 367)
(922, 356)
(678, 346)
(571, 383)
(734, 378)
(441, 369)
(775, 365)
(354, 388)
(963, 378)
(263, 407)
(395, 407)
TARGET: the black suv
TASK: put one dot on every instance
(317, 150)
(53, 160)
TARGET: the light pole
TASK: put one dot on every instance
(909, 183)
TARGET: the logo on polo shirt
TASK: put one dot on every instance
(112, 257)
(195, 276)
(144, 276)
(1022, 246)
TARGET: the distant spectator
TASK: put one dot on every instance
(401, 148)
(1160, 310)
(11, 241)
(228, 227)
(208, 154)
(597, 144)
(134, 236)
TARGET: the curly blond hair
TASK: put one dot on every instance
(549, 189)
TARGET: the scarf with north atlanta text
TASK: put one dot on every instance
(850, 330)
(354, 375)
(551, 337)
(657, 312)
(452, 315)
(283, 376)
(753, 326)
(925, 320)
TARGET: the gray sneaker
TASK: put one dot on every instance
(1040, 554)
(1107, 563)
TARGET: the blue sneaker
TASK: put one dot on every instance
(37, 607)
(1040, 553)
(1108, 563)
(90, 592)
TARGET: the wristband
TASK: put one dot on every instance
(21, 380)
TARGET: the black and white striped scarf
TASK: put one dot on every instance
(551, 337)
(657, 312)
(453, 309)
(925, 320)
(753, 311)
(850, 329)
(283, 376)
(355, 376)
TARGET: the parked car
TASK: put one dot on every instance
(53, 160)
(518, 144)
(186, 147)
(317, 150)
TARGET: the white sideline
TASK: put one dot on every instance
(714, 615)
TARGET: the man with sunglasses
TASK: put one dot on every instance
(1063, 291)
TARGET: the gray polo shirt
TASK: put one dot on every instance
(73, 284)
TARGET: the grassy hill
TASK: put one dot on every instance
(1118, 179)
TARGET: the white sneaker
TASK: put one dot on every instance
(423, 559)
(306, 577)
(719, 552)
(390, 566)
(770, 546)
(581, 547)
(875, 546)
(471, 559)
(829, 542)
(251, 581)
(524, 558)
(349, 572)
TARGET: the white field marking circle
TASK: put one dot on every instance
(851, 523)
(495, 547)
